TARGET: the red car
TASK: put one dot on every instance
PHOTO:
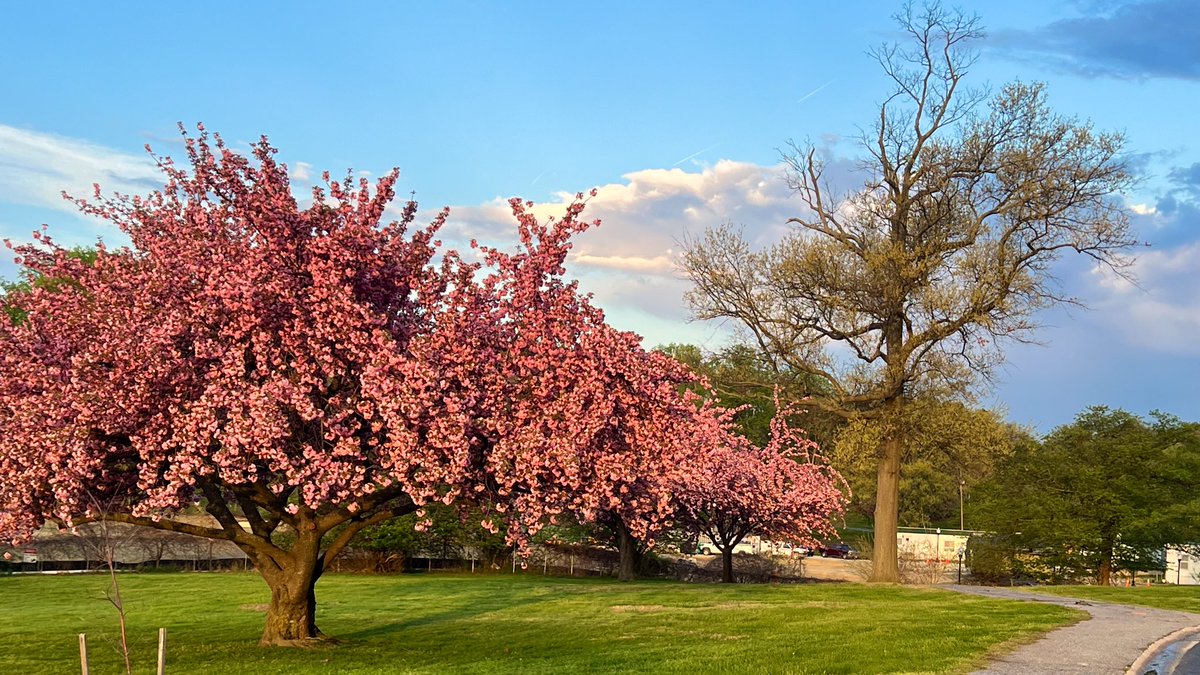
(837, 551)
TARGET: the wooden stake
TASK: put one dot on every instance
(83, 666)
(162, 650)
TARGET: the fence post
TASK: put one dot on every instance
(162, 650)
(83, 665)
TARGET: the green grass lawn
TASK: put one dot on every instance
(1182, 598)
(515, 624)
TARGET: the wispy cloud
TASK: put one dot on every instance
(36, 167)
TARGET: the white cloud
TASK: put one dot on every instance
(629, 261)
(36, 168)
(645, 217)
(300, 171)
(1112, 282)
(1163, 311)
(663, 264)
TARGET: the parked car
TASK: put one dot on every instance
(705, 546)
(796, 550)
(837, 551)
(782, 548)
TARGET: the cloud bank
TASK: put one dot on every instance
(1131, 40)
(629, 262)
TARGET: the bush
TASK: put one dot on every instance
(992, 561)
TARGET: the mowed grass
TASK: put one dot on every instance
(1181, 598)
(459, 623)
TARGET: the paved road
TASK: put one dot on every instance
(1109, 642)
(1189, 660)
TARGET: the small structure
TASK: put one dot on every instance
(932, 544)
(1182, 568)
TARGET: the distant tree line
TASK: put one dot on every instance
(1103, 495)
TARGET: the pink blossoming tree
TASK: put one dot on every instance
(784, 491)
(302, 372)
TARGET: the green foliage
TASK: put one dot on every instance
(1102, 494)
(744, 377)
(489, 623)
(949, 444)
(451, 532)
(991, 560)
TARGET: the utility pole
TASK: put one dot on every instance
(962, 521)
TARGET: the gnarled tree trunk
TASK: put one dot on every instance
(292, 613)
(291, 616)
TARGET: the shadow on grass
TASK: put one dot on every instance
(474, 610)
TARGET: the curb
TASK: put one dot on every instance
(1157, 650)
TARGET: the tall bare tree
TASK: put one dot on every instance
(903, 288)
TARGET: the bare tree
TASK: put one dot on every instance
(108, 539)
(904, 287)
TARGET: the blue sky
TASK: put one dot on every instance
(675, 111)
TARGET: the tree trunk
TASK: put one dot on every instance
(1104, 574)
(627, 546)
(291, 616)
(727, 566)
(884, 564)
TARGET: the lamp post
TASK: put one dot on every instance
(960, 562)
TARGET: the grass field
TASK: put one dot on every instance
(514, 624)
(1182, 598)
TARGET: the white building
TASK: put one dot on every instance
(931, 544)
(1183, 568)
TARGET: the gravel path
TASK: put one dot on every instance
(1110, 642)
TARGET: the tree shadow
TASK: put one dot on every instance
(466, 611)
